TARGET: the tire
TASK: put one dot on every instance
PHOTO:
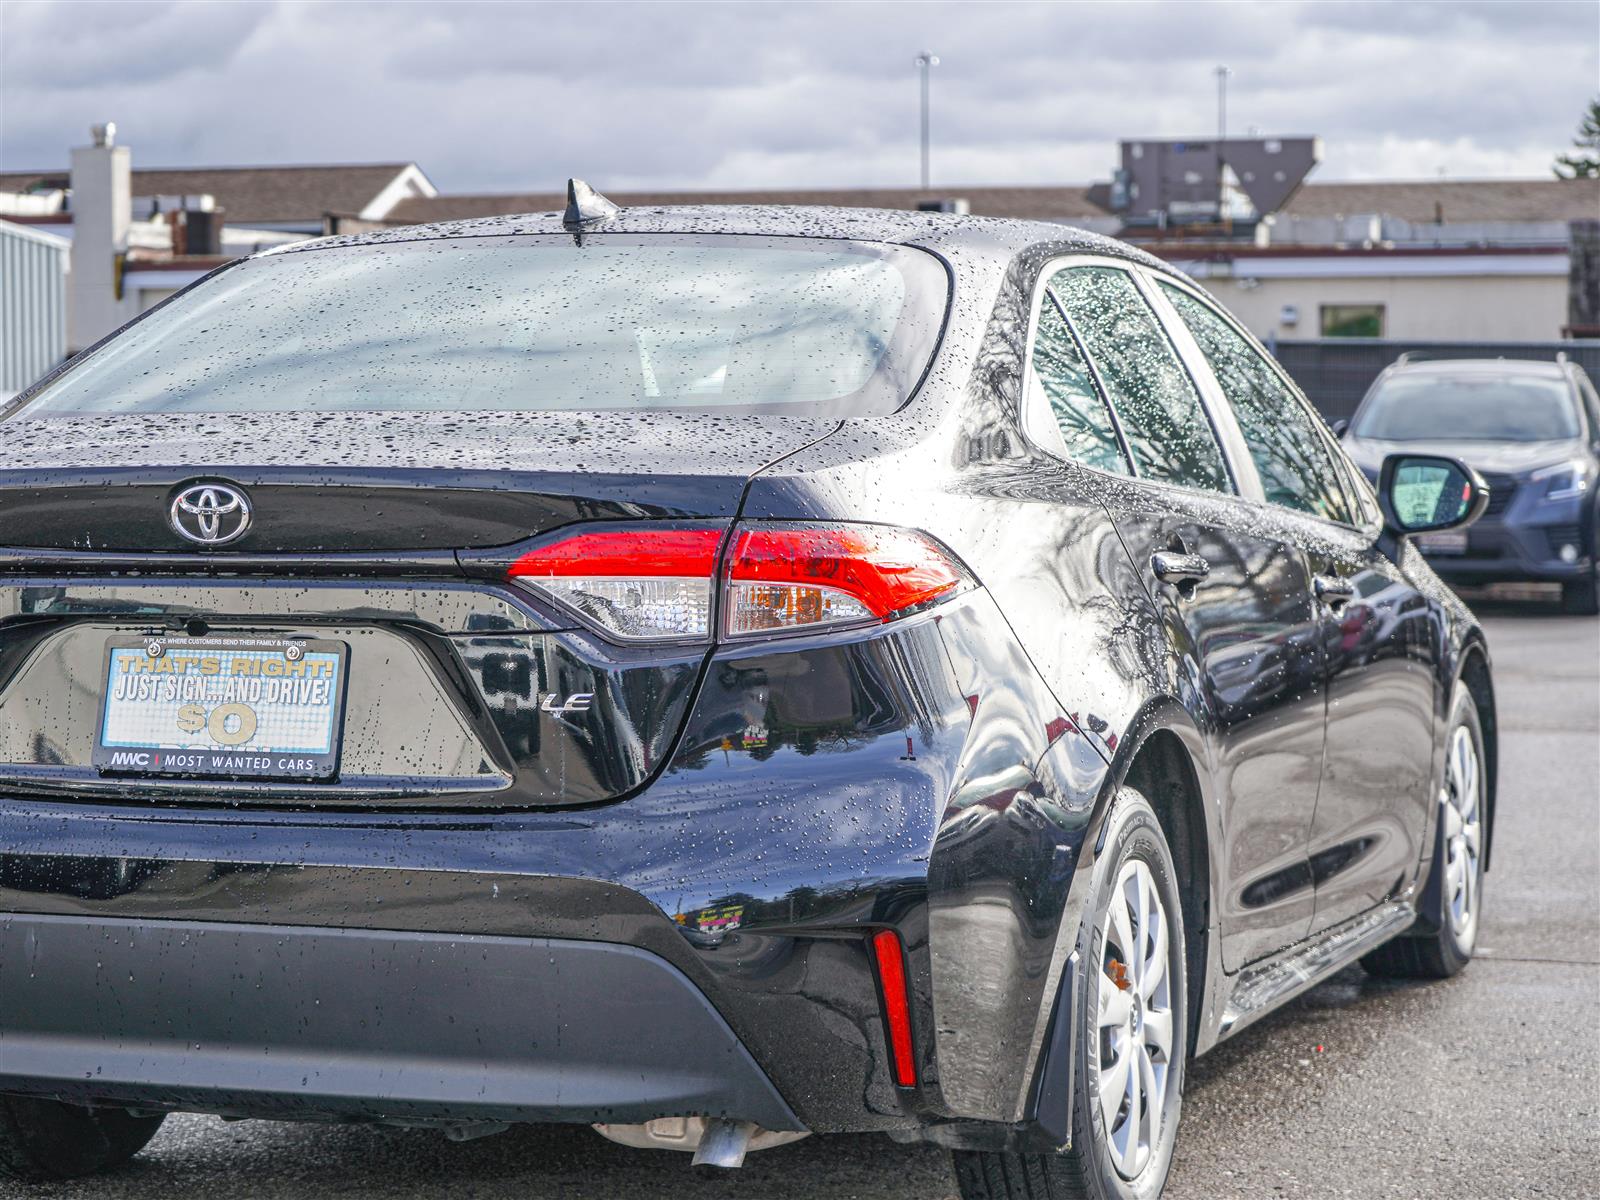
(1101, 1165)
(43, 1140)
(1581, 598)
(1442, 941)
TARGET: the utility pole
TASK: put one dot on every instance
(925, 62)
(1222, 73)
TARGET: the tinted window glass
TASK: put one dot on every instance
(810, 327)
(1155, 401)
(1295, 464)
(1471, 408)
(1063, 376)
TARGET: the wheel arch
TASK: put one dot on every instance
(1474, 675)
(1162, 754)
(1163, 771)
(1165, 756)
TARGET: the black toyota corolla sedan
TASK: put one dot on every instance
(716, 675)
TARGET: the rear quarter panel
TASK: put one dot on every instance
(1034, 531)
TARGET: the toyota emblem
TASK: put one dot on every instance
(211, 514)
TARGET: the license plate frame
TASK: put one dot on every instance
(1453, 541)
(133, 738)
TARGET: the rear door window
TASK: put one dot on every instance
(1155, 401)
(1286, 443)
(1061, 374)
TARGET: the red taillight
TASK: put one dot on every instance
(896, 1004)
(643, 582)
(792, 576)
(619, 553)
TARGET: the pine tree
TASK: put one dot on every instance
(1584, 163)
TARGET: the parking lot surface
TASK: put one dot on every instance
(1486, 1086)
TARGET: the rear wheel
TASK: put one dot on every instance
(42, 1140)
(1130, 1034)
(1447, 931)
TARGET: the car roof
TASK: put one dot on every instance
(994, 237)
(1482, 366)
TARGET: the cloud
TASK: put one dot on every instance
(501, 96)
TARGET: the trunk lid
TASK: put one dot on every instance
(390, 482)
(457, 691)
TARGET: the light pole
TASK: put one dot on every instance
(925, 62)
(1222, 132)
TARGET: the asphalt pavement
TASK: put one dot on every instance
(1485, 1087)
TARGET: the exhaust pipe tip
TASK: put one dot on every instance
(718, 1142)
(724, 1143)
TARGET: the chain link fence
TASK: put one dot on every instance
(1336, 372)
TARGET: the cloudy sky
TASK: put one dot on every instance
(506, 96)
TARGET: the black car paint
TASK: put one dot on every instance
(941, 775)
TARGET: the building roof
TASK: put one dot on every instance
(246, 194)
(28, 233)
(1022, 203)
(1453, 200)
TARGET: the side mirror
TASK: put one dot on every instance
(1424, 493)
(1340, 427)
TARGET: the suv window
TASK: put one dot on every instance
(1060, 372)
(1296, 465)
(1470, 405)
(1154, 399)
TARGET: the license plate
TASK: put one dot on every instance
(237, 708)
(1451, 542)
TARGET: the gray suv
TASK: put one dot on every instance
(1532, 429)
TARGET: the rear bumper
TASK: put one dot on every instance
(293, 1021)
(310, 967)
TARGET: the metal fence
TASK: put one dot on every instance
(33, 305)
(1336, 372)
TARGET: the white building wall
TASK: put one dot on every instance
(1519, 308)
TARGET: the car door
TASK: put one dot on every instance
(1236, 605)
(1376, 629)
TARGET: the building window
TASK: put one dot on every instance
(1352, 320)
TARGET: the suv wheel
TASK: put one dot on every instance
(1131, 1034)
(42, 1140)
(1445, 935)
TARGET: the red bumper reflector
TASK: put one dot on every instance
(896, 1004)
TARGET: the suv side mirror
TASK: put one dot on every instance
(1340, 427)
(1425, 493)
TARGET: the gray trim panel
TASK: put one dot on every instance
(293, 1021)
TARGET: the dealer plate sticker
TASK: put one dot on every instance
(1450, 542)
(222, 707)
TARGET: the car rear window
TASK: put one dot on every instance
(1473, 408)
(549, 323)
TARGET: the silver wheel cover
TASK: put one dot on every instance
(1461, 813)
(1134, 1017)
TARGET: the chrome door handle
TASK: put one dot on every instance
(1180, 569)
(1332, 591)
